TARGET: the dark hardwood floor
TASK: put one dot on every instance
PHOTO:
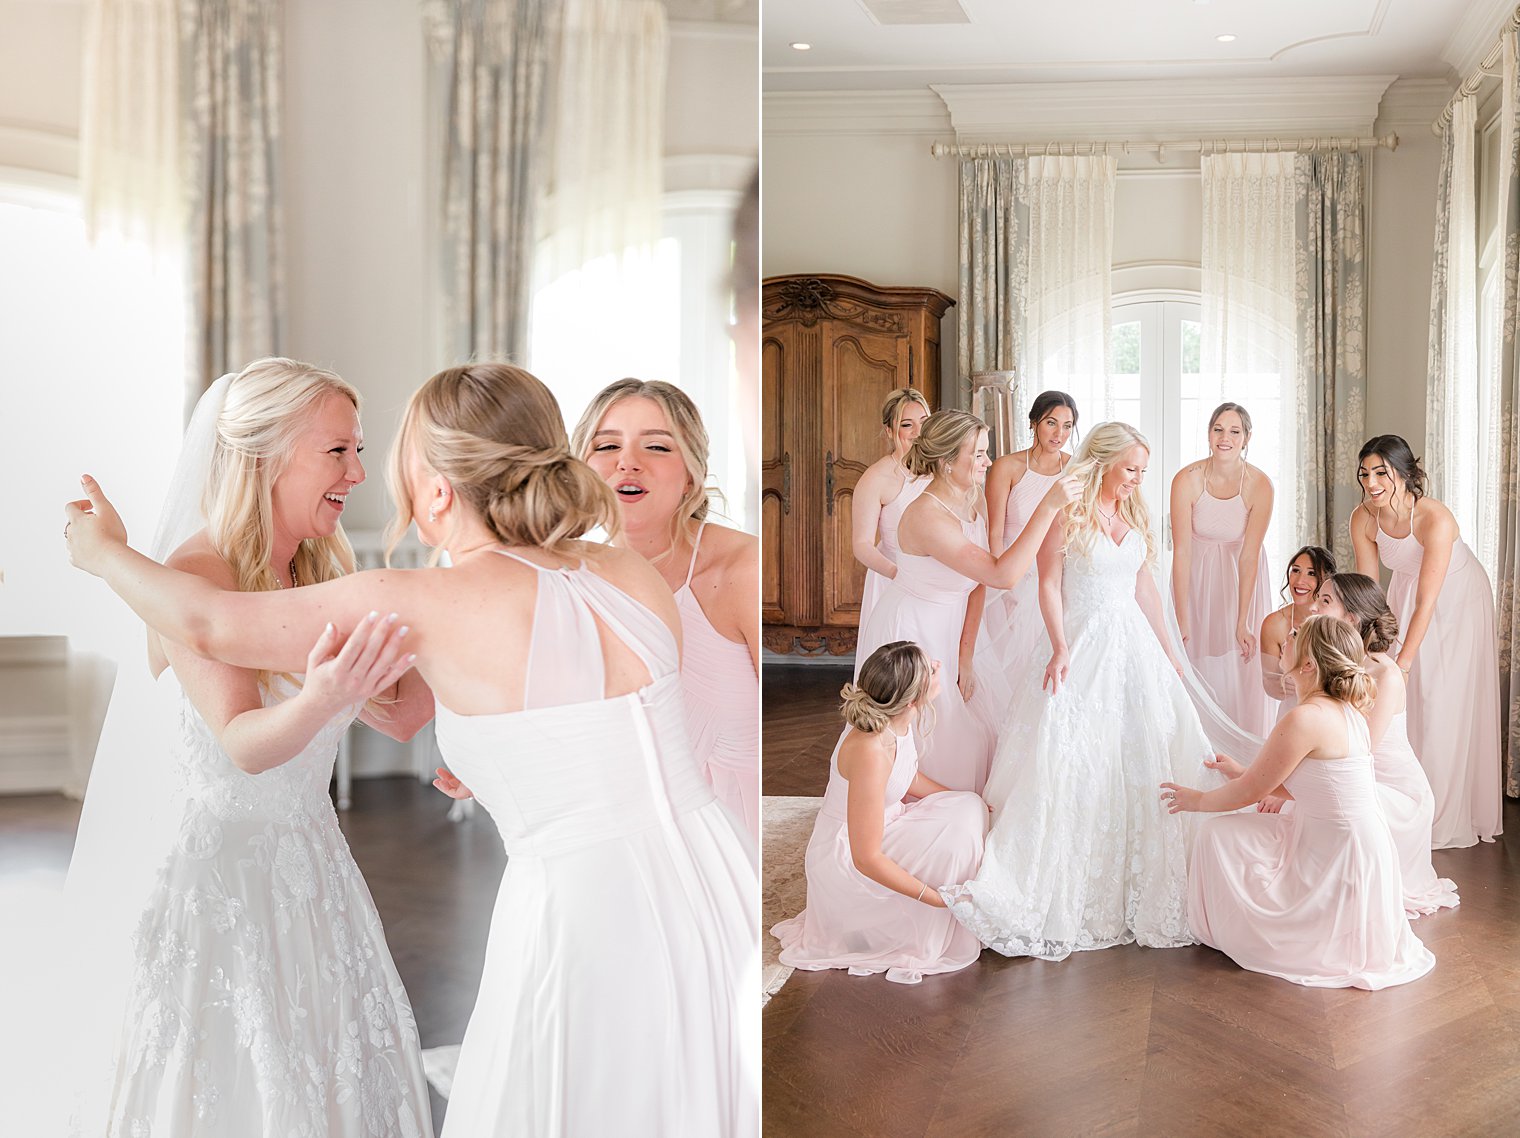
(434, 882)
(1134, 1041)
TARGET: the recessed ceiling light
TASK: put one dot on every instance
(809, 47)
(1226, 38)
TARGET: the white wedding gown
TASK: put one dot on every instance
(621, 982)
(263, 999)
(1082, 854)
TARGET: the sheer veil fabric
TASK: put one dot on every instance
(127, 822)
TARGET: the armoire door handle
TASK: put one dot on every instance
(828, 483)
(786, 483)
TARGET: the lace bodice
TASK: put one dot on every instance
(1104, 580)
(286, 794)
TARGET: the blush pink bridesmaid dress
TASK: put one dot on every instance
(722, 707)
(1453, 691)
(1219, 530)
(1005, 644)
(926, 603)
(851, 921)
(1313, 895)
(1409, 807)
(886, 541)
(623, 958)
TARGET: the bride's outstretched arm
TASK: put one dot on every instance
(1052, 566)
(1284, 749)
(274, 630)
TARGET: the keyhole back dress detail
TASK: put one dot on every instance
(622, 960)
(722, 706)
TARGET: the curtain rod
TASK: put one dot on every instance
(1200, 146)
(1471, 84)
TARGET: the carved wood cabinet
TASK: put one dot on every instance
(832, 348)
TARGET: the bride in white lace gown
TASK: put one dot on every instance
(621, 974)
(1081, 854)
(259, 999)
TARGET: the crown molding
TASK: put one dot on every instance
(1476, 34)
(1163, 108)
(853, 112)
(1413, 104)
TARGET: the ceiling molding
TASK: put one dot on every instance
(853, 112)
(1476, 34)
(1412, 104)
(25, 146)
(1163, 108)
(1374, 25)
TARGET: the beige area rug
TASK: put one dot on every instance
(787, 825)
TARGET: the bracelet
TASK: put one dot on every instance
(921, 893)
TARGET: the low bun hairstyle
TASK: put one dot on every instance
(1394, 451)
(893, 678)
(940, 440)
(1338, 655)
(1364, 602)
(495, 432)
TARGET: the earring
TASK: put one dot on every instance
(433, 514)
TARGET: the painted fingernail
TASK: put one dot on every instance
(372, 615)
(329, 626)
(412, 659)
(405, 628)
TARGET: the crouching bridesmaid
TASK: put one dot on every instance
(874, 860)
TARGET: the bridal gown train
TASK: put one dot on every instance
(1082, 853)
(624, 946)
(263, 1001)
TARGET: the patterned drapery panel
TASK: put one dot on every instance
(230, 93)
(994, 274)
(1507, 476)
(496, 57)
(1331, 385)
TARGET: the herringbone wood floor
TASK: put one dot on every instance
(1133, 1041)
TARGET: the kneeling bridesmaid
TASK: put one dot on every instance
(1313, 896)
(874, 860)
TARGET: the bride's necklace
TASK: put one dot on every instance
(1108, 517)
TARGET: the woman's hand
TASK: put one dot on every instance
(1182, 630)
(1064, 489)
(1246, 640)
(369, 663)
(932, 898)
(451, 786)
(1056, 671)
(1225, 766)
(92, 528)
(966, 681)
(1180, 798)
(1271, 804)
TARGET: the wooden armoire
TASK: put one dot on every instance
(831, 350)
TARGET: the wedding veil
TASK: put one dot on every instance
(129, 819)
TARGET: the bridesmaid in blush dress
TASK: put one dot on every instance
(1449, 652)
(936, 598)
(883, 493)
(1221, 508)
(1016, 483)
(874, 859)
(1404, 791)
(1313, 895)
(1307, 570)
(647, 440)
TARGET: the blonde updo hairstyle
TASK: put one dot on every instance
(939, 443)
(1104, 446)
(496, 433)
(1336, 649)
(894, 678)
(686, 427)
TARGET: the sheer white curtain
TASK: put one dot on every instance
(603, 300)
(1067, 316)
(1455, 399)
(1249, 325)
